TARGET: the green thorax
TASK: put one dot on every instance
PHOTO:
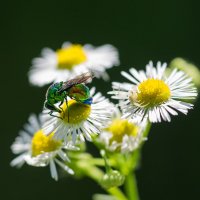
(53, 95)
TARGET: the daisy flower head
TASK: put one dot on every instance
(152, 95)
(123, 135)
(79, 120)
(72, 60)
(36, 149)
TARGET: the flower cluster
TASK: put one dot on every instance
(154, 95)
(74, 114)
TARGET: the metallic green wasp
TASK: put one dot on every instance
(74, 88)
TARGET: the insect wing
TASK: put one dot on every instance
(83, 78)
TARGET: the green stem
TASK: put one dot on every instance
(116, 192)
(107, 166)
(147, 129)
(97, 161)
(90, 159)
(131, 187)
(130, 181)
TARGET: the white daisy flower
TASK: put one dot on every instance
(78, 119)
(72, 60)
(37, 149)
(122, 134)
(152, 95)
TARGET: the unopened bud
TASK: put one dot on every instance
(189, 68)
(112, 179)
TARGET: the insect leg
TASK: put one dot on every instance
(52, 109)
(67, 109)
(51, 113)
(60, 106)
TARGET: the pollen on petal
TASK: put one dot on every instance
(70, 56)
(152, 92)
(42, 143)
(75, 112)
(121, 127)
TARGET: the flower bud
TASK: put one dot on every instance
(112, 179)
(189, 68)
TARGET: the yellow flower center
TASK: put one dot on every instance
(77, 112)
(121, 127)
(152, 92)
(42, 143)
(70, 56)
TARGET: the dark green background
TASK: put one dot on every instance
(142, 31)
